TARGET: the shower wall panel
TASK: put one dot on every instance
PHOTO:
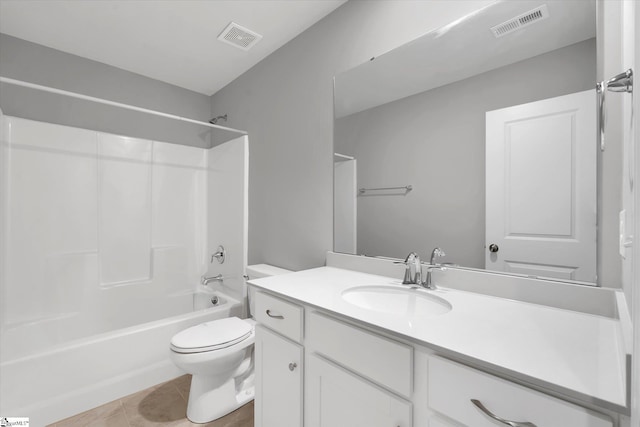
(52, 216)
(179, 197)
(124, 209)
(104, 231)
(227, 199)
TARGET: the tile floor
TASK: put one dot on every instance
(162, 405)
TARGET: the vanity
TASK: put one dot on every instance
(339, 346)
(473, 142)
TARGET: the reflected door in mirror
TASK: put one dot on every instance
(541, 188)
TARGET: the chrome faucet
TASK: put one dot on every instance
(435, 254)
(413, 273)
(206, 280)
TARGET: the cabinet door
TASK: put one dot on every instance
(340, 398)
(278, 401)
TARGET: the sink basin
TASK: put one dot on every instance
(412, 302)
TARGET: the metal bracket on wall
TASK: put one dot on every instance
(622, 82)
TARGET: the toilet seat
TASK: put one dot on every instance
(211, 336)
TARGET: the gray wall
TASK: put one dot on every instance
(22, 60)
(435, 141)
(285, 103)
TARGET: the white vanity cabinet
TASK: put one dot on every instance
(279, 363)
(358, 376)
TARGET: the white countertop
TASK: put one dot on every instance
(572, 353)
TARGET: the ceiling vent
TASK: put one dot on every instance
(531, 17)
(239, 36)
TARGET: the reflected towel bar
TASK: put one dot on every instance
(406, 189)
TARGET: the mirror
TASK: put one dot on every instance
(415, 137)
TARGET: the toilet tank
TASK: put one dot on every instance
(257, 271)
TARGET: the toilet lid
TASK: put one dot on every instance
(212, 335)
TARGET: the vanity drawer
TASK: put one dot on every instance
(381, 360)
(452, 386)
(279, 315)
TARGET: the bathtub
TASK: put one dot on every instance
(79, 375)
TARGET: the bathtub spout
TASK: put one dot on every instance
(206, 280)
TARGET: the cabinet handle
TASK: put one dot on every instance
(480, 406)
(292, 366)
(274, 316)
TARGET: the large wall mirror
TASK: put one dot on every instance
(480, 138)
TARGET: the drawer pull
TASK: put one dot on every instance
(274, 316)
(480, 406)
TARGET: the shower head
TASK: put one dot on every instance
(215, 119)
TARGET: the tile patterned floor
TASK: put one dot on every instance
(161, 405)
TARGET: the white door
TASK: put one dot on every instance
(541, 188)
(345, 210)
(278, 401)
(340, 398)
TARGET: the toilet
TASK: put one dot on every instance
(219, 356)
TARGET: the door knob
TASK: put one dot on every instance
(493, 248)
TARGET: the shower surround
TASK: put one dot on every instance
(101, 233)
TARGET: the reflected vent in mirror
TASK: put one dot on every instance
(239, 36)
(521, 21)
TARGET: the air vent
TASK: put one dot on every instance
(531, 17)
(239, 36)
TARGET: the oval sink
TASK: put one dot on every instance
(411, 302)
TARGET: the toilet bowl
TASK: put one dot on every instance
(218, 354)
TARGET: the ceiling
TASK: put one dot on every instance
(463, 49)
(172, 41)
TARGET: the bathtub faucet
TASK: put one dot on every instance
(206, 280)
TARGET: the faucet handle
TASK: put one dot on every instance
(436, 253)
(407, 272)
(412, 260)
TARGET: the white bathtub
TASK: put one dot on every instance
(62, 381)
